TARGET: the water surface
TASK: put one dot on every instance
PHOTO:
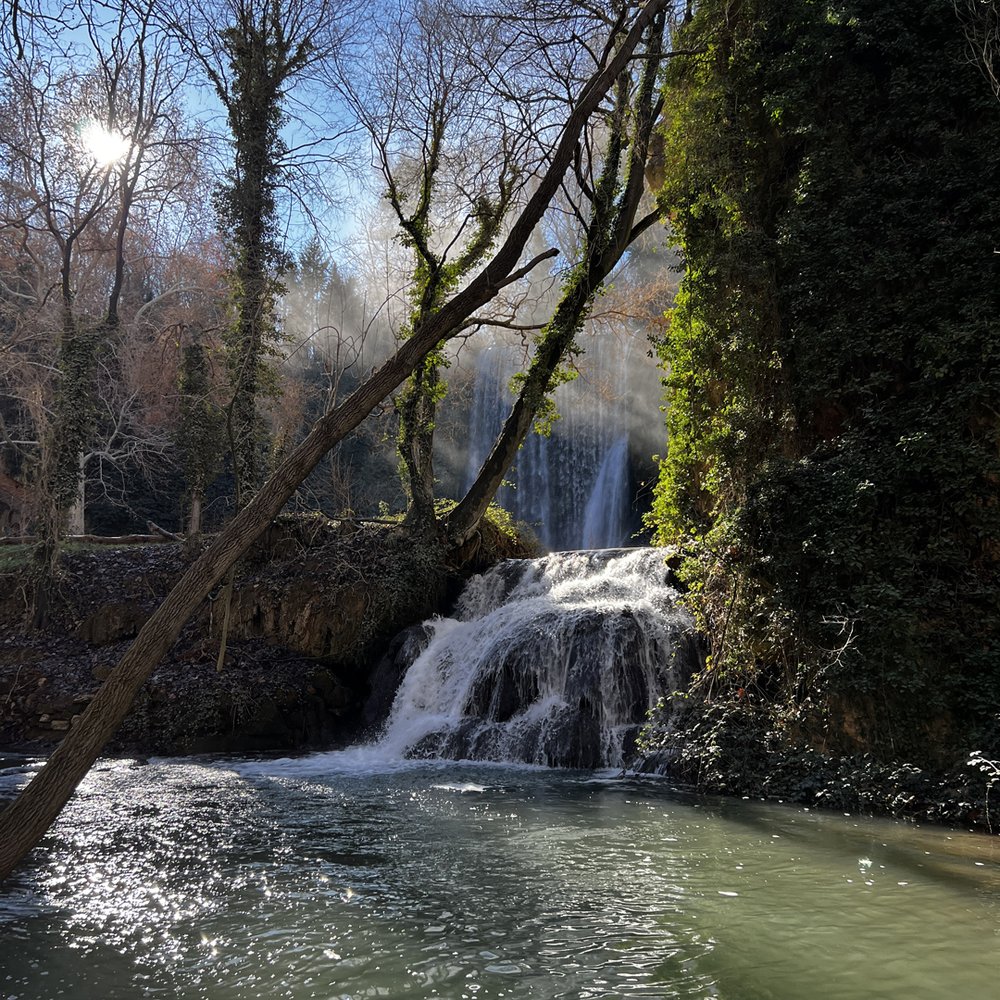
(335, 876)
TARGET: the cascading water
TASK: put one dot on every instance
(548, 661)
(575, 486)
(607, 508)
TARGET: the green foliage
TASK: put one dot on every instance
(832, 362)
(546, 412)
(737, 747)
(200, 432)
(602, 247)
(16, 558)
(75, 412)
(503, 521)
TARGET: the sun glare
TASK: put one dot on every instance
(106, 146)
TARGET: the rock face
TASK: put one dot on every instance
(264, 698)
(312, 612)
(112, 622)
(267, 699)
(389, 672)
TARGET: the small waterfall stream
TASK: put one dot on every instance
(550, 661)
(574, 487)
(607, 508)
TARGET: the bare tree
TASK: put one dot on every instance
(606, 198)
(92, 139)
(452, 159)
(981, 20)
(528, 62)
(335, 332)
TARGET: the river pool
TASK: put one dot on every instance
(337, 876)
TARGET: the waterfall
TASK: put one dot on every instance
(572, 487)
(547, 661)
(607, 508)
(531, 499)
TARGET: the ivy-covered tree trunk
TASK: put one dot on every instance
(76, 516)
(73, 425)
(69, 437)
(417, 409)
(199, 436)
(266, 47)
(611, 229)
(435, 275)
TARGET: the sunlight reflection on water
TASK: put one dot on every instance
(321, 877)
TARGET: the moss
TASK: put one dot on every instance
(15, 559)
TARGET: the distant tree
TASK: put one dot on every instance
(252, 51)
(331, 337)
(459, 131)
(92, 138)
(451, 164)
(981, 22)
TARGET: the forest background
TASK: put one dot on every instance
(831, 360)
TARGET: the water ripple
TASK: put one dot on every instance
(284, 880)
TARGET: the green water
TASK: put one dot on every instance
(318, 878)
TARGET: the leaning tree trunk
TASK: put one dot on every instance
(25, 821)
(30, 815)
(610, 231)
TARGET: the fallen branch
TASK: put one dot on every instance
(162, 536)
(170, 536)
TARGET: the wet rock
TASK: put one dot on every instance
(388, 673)
(112, 623)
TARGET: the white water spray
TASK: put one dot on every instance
(573, 487)
(548, 661)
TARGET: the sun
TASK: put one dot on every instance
(106, 146)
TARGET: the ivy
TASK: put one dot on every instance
(832, 364)
(264, 50)
(200, 431)
(75, 410)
